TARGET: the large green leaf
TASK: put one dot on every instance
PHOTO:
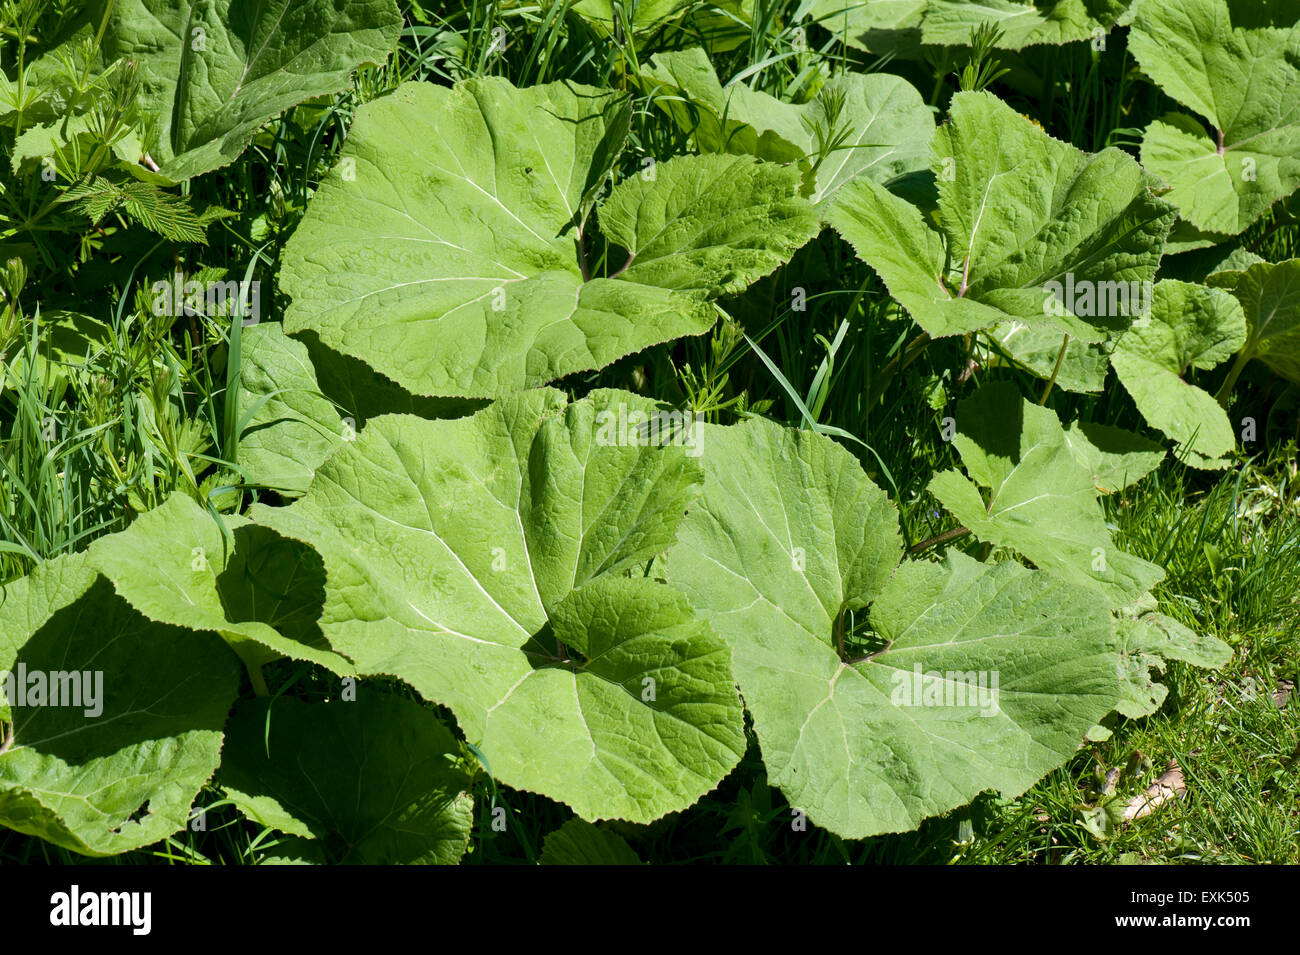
(1238, 66)
(123, 772)
(1190, 326)
(1147, 641)
(578, 842)
(719, 24)
(881, 25)
(1042, 501)
(1032, 230)
(451, 247)
(301, 401)
(1115, 458)
(792, 555)
(884, 123)
(641, 15)
(707, 225)
(260, 591)
(64, 343)
(214, 71)
(291, 427)
(480, 561)
(1083, 367)
(1269, 293)
(369, 781)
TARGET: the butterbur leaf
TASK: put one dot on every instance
(66, 341)
(644, 714)
(1041, 500)
(950, 22)
(735, 120)
(1036, 348)
(578, 842)
(371, 781)
(361, 393)
(118, 763)
(290, 427)
(1190, 326)
(1116, 458)
(1031, 229)
(1171, 640)
(707, 225)
(886, 126)
(260, 591)
(1269, 293)
(479, 561)
(792, 555)
(301, 402)
(1147, 640)
(1140, 695)
(213, 71)
(892, 236)
(1236, 65)
(643, 16)
(1237, 259)
(450, 249)
(880, 25)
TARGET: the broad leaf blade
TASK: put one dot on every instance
(1189, 327)
(1269, 294)
(215, 70)
(301, 402)
(881, 25)
(884, 125)
(474, 558)
(1037, 347)
(1042, 502)
(123, 773)
(891, 235)
(1115, 458)
(1241, 72)
(707, 225)
(369, 781)
(1031, 230)
(174, 565)
(455, 262)
(291, 428)
(787, 549)
(1147, 641)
